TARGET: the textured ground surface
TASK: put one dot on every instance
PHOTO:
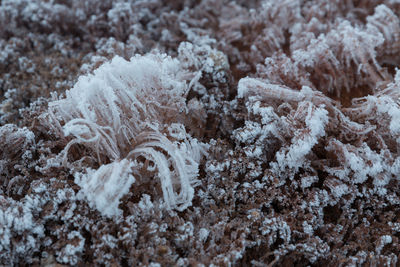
(262, 133)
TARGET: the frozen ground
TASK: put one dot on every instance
(199, 133)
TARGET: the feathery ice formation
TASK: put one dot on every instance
(131, 114)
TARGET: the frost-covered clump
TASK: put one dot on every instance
(309, 133)
(128, 118)
(302, 118)
(16, 158)
(17, 220)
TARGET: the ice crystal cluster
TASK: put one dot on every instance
(125, 111)
(199, 133)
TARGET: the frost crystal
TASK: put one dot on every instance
(131, 112)
(104, 187)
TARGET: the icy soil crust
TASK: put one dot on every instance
(199, 133)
